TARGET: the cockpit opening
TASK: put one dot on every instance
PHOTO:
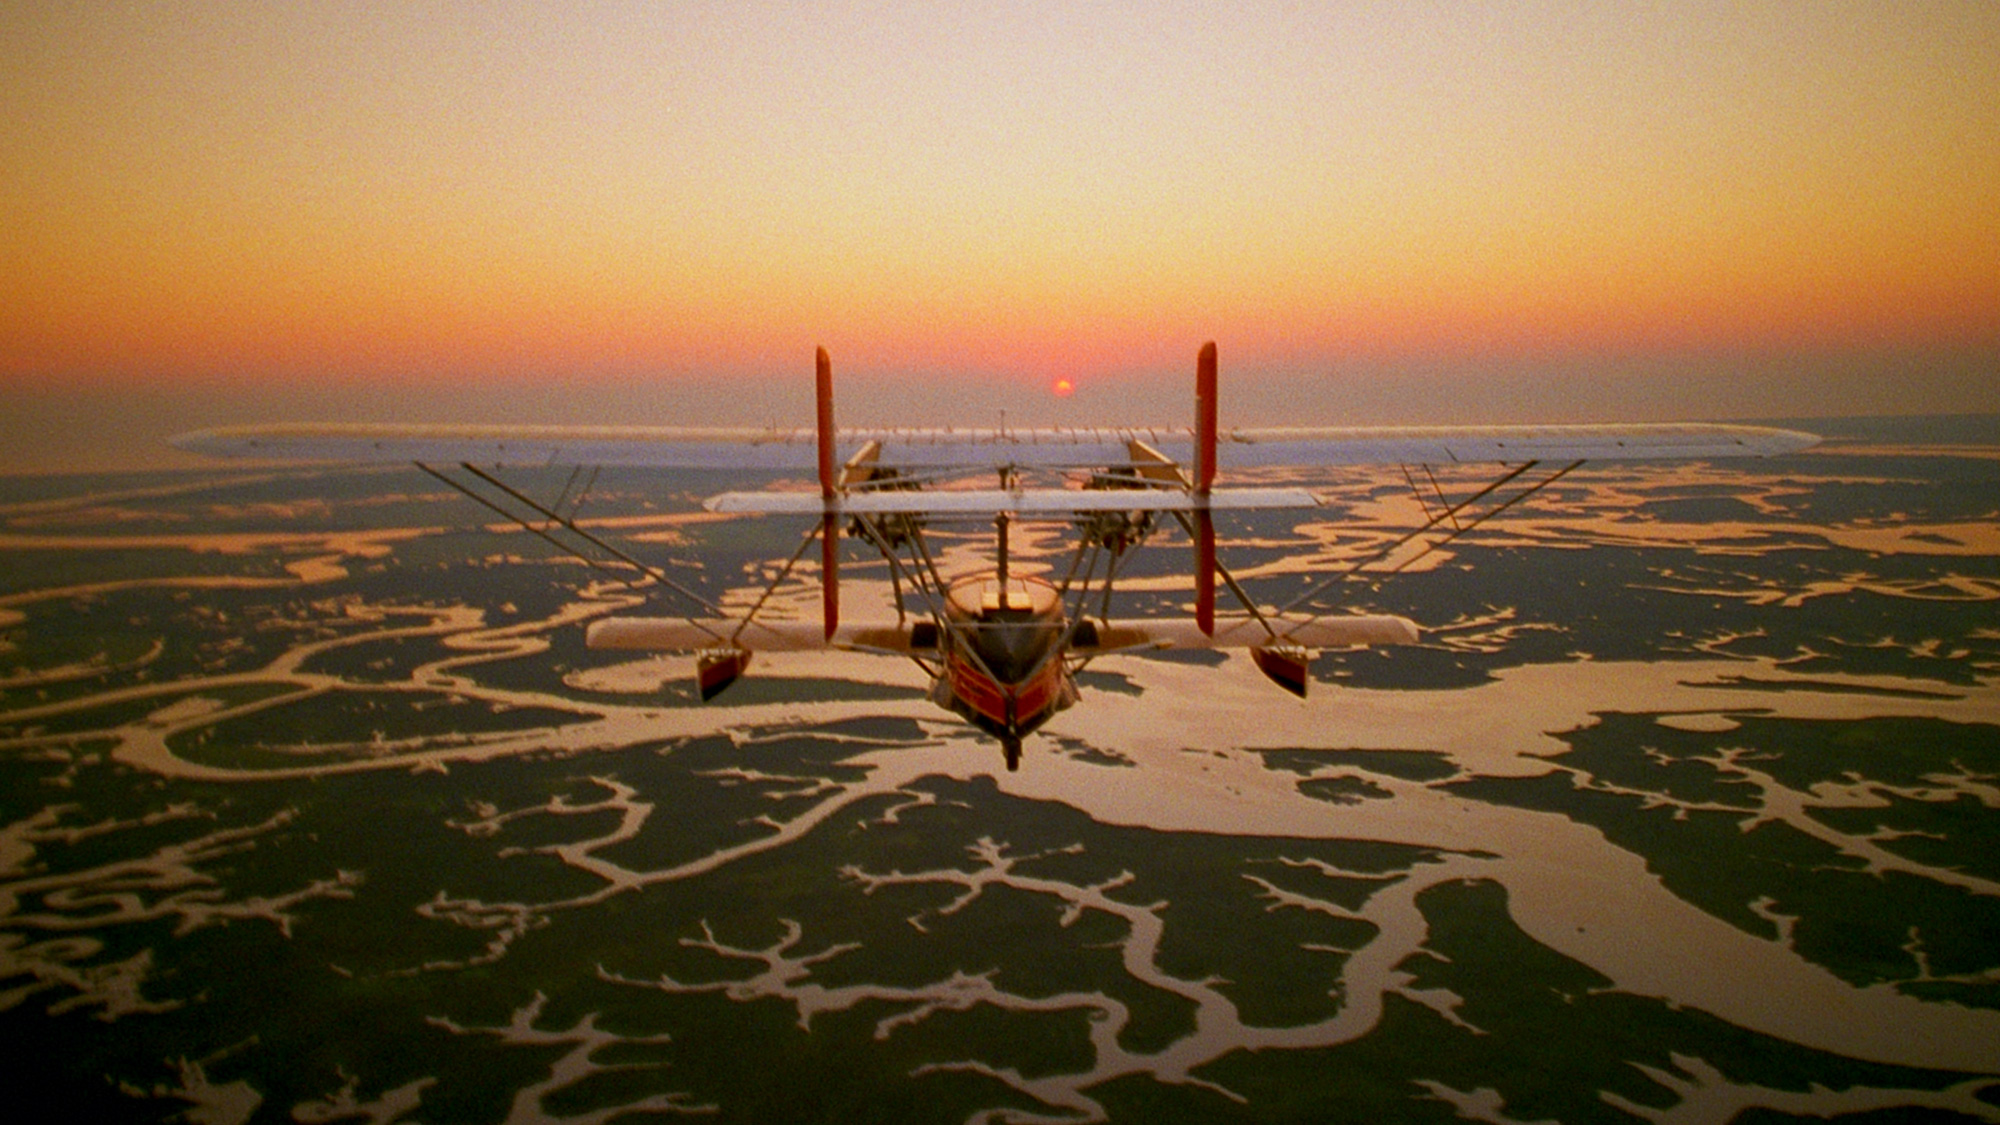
(1010, 626)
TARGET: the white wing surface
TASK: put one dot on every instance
(667, 447)
(1439, 445)
(686, 447)
(671, 634)
(1027, 501)
(1235, 631)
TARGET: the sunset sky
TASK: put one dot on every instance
(653, 212)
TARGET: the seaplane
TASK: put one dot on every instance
(1001, 647)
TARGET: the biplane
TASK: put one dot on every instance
(1001, 647)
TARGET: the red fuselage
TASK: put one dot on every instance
(1003, 670)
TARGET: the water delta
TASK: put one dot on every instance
(320, 811)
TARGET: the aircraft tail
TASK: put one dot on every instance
(1204, 480)
(829, 530)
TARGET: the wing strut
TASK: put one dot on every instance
(1283, 663)
(718, 668)
(542, 532)
(1449, 513)
(771, 587)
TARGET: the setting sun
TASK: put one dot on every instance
(610, 212)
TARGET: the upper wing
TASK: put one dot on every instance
(1024, 502)
(1438, 445)
(688, 447)
(667, 447)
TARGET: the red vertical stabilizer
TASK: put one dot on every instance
(1204, 419)
(829, 529)
(1204, 571)
(1204, 479)
(829, 567)
(823, 392)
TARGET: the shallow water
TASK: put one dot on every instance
(316, 809)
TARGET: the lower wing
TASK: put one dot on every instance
(1094, 638)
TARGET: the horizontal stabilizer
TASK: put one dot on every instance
(678, 634)
(1026, 502)
(1244, 632)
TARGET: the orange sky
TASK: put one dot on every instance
(238, 199)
